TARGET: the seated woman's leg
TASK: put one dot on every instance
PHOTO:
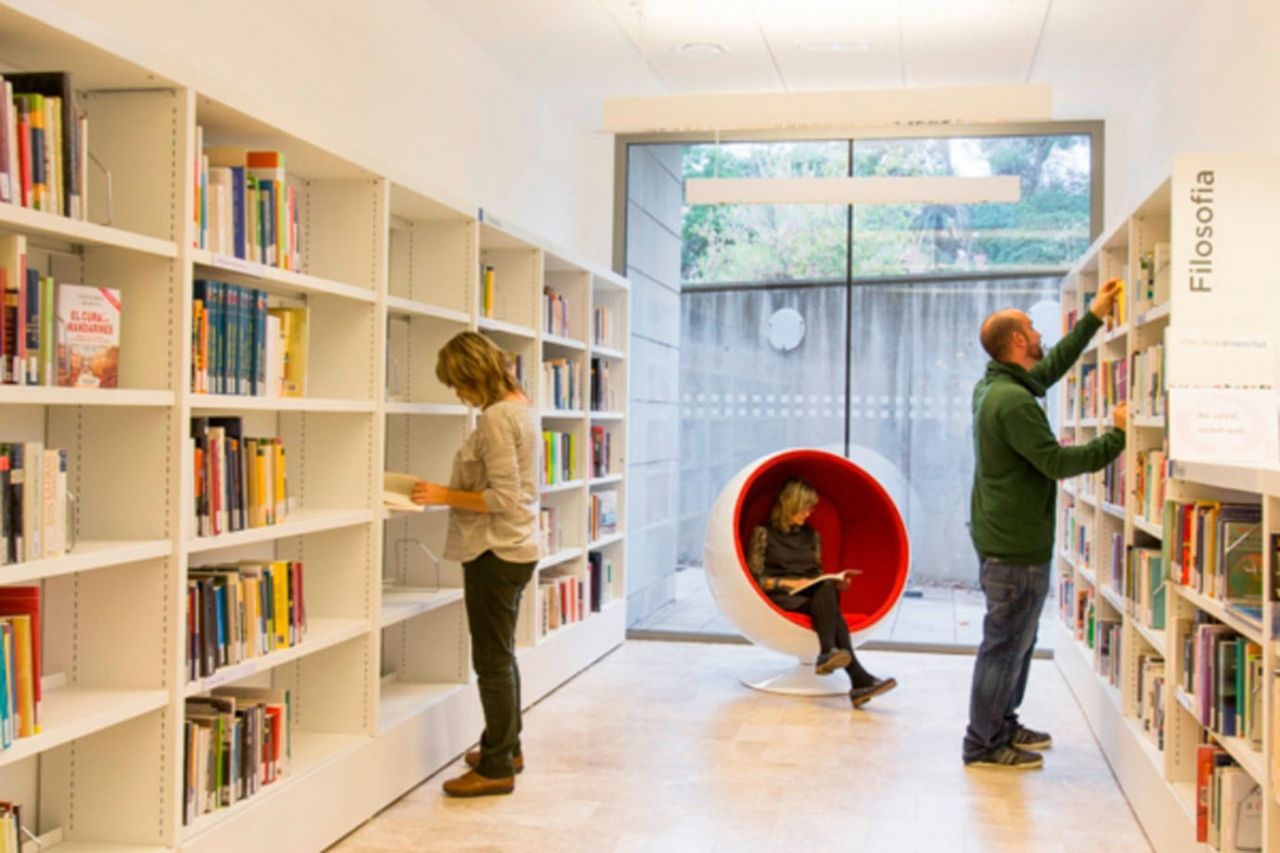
(828, 621)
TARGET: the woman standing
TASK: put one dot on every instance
(493, 500)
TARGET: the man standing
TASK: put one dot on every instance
(1017, 460)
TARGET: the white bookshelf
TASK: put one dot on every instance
(382, 693)
(1159, 783)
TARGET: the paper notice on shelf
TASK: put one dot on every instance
(1232, 426)
(1207, 358)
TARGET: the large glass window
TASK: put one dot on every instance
(855, 329)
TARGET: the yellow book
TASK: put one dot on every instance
(280, 587)
(25, 676)
(293, 330)
(261, 505)
(281, 498)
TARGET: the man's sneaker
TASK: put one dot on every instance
(1025, 738)
(829, 662)
(1007, 758)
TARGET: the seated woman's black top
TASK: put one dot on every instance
(774, 555)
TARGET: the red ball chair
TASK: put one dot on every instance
(860, 528)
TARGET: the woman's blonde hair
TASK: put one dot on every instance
(472, 363)
(796, 497)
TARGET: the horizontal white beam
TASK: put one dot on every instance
(878, 190)
(876, 108)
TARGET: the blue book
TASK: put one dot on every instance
(6, 702)
(238, 211)
(220, 600)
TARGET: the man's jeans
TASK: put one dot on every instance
(1015, 597)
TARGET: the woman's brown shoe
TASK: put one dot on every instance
(473, 760)
(472, 784)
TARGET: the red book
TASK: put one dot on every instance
(24, 151)
(25, 601)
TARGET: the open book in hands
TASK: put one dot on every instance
(396, 491)
(843, 577)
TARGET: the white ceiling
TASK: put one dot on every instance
(579, 52)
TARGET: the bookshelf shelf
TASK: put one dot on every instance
(1116, 599)
(563, 414)
(452, 410)
(1246, 756)
(87, 556)
(606, 541)
(1088, 575)
(501, 327)
(1152, 315)
(1149, 749)
(46, 396)
(243, 403)
(399, 306)
(1066, 558)
(240, 271)
(1153, 636)
(1088, 499)
(1148, 421)
(69, 713)
(1148, 527)
(1090, 423)
(1261, 481)
(401, 603)
(562, 342)
(321, 634)
(38, 224)
(1116, 334)
(312, 751)
(560, 557)
(567, 486)
(608, 352)
(1220, 611)
(597, 415)
(1114, 510)
(1069, 490)
(400, 701)
(298, 523)
(607, 480)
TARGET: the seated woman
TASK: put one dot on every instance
(784, 556)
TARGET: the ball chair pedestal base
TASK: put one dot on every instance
(801, 680)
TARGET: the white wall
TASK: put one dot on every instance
(392, 83)
(1218, 89)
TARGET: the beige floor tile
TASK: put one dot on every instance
(659, 747)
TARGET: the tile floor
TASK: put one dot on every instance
(943, 616)
(659, 748)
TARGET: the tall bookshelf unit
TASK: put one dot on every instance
(1095, 522)
(381, 688)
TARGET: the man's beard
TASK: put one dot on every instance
(1037, 353)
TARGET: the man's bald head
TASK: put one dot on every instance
(998, 329)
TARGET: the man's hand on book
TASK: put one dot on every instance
(1105, 298)
(1120, 414)
(428, 493)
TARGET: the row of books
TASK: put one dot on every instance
(55, 334)
(599, 579)
(488, 290)
(555, 313)
(559, 457)
(11, 831)
(1083, 614)
(602, 515)
(239, 480)
(241, 611)
(1148, 397)
(1119, 313)
(1113, 481)
(236, 741)
(1116, 563)
(1152, 695)
(1215, 548)
(44, 144)
(1152, 287)
(239, 345)
(562, 600)
(21, 691)
(602, 391)
(1067, 597)
(34, 519)
(1145, 586)
(1229, 803)
(1106, 649)
(1102, 386)
(602, 329)
(245, 206)
(549, 529)
(1150, 483)
(1076, 535)
(601, 452)
(561, 384)
(1222, 675)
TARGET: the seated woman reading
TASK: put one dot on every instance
(785, 555)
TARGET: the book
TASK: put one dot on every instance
(396, 491)
(63, 128)
(845, 575)
(88, 336)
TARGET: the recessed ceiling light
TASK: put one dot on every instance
(860, 46)
(702, 48)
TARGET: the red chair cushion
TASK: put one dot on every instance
(857, 520)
